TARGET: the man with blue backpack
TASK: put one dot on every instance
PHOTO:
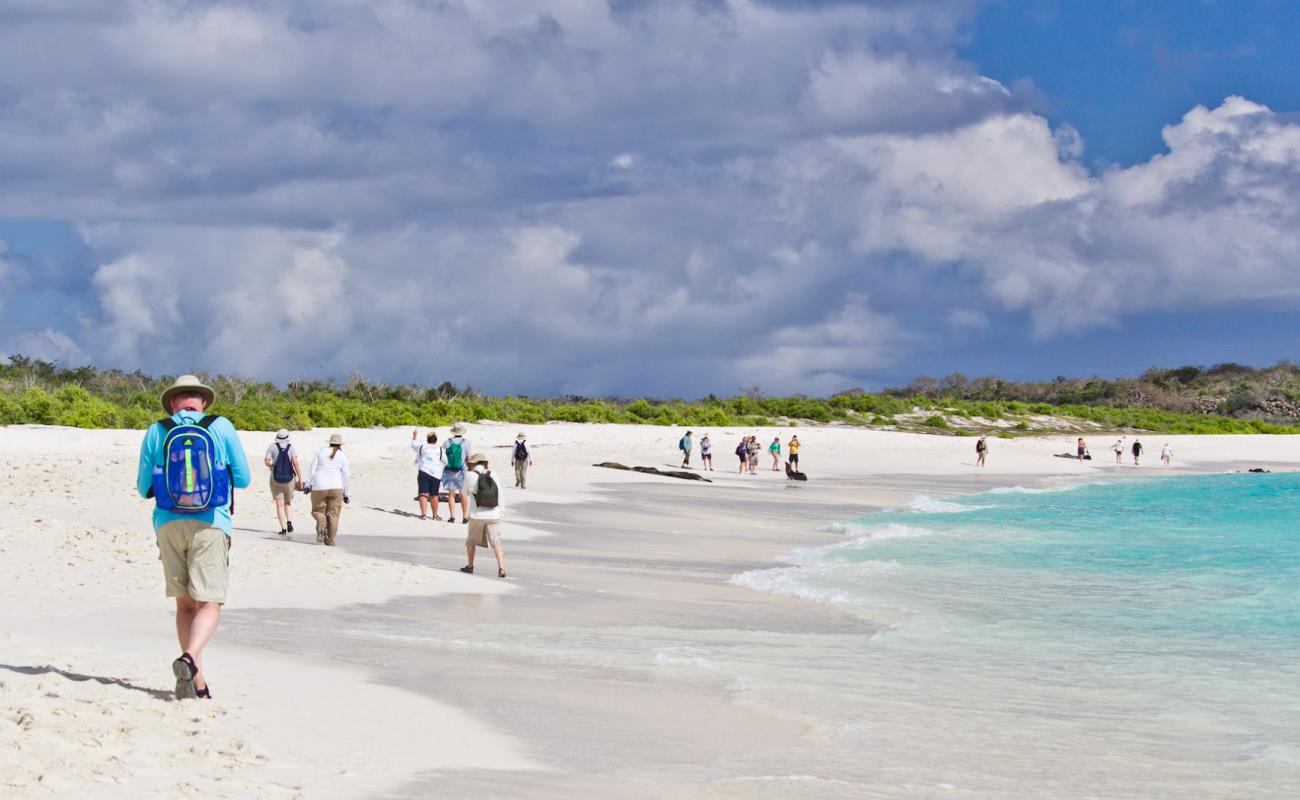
(455, 453)
(282, 458)
(190, 464)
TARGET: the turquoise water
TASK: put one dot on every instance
(1137, 639)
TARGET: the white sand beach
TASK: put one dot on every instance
(376, 669)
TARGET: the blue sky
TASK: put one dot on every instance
(667, 198)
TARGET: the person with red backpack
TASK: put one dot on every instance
(190, 464)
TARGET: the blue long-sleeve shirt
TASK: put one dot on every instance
(229, 452)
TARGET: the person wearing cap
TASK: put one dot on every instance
(428, 463)
(328, 485)
(484, 513)
(455, 451)
(282, 491)
(522, 458)
(193, 546)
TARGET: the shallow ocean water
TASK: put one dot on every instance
(1136, 639)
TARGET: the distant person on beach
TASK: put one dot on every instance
(775, 449)
(742, 450)
(1118, 447)
(981, 451)
(522, 458)
(428, 463)
(190, 464)
(484, 513)
(1166, 453)
(1082, 449)
(706, 453)
(753, 448)
(328, 485)
(1137, 452)
(454, 452)
(286, 477)
(794, 453)
(684, 444)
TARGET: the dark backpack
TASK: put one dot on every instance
(742, 449)
(521, 451)
(486, 492)
(282, 470)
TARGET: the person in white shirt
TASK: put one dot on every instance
(522, 458)
(286, 476)
(429, 461)
(328, 484)
(454, 452)
(1166, 453)
(1118, 447)
(484, 493)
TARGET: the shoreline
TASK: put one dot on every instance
(596, 557)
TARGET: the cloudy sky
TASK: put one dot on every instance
(662, 197)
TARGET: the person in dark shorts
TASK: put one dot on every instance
(793, 448)
(1137, 452)
(428, 460)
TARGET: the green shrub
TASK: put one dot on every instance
(935, 421)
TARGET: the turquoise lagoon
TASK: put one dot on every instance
(1127, 640)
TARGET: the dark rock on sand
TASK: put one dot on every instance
(668, 473)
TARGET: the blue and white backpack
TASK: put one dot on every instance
(191, 479)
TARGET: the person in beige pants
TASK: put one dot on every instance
(328, 484)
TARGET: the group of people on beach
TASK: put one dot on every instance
(747, 451)
(191, 462)
(1119, 448)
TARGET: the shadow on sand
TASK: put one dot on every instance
(158, 694)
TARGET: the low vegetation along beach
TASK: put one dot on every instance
(749, 636)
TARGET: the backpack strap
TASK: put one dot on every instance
(207, 420)
(167, 423)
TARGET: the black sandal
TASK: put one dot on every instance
(467, 569)
(184, 669)
(204, 694)
(501, 573)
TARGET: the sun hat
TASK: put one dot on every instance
(187, 383)
(521, 435)
(476, 458)
(458, 429)
(282, 434)
(336, 439)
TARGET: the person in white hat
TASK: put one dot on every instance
(455, 452)
(282, 458)
(328, 485)
(522, 458)
(190, 464)
(484, 514)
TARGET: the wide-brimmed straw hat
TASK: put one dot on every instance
(282, 434)
(476, 458)
(521, 435)
(458, 429)
(336, 439)
(187, 383)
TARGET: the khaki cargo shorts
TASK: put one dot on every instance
(484, 533)
(196, 560)
(284, 490)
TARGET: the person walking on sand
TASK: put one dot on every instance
(754, 448)
(706, 453)
(428, 462)
(190, 464)
(1082, 449)
(484, 513)
(775, 449)
(1166, 454)
(742, 450)
(1118, 447)
(454, 452)
(328, 485)
(522, 460)
(981, 451)
(1137, 452)
(794, 453)
(286, 477)
(684, 444)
